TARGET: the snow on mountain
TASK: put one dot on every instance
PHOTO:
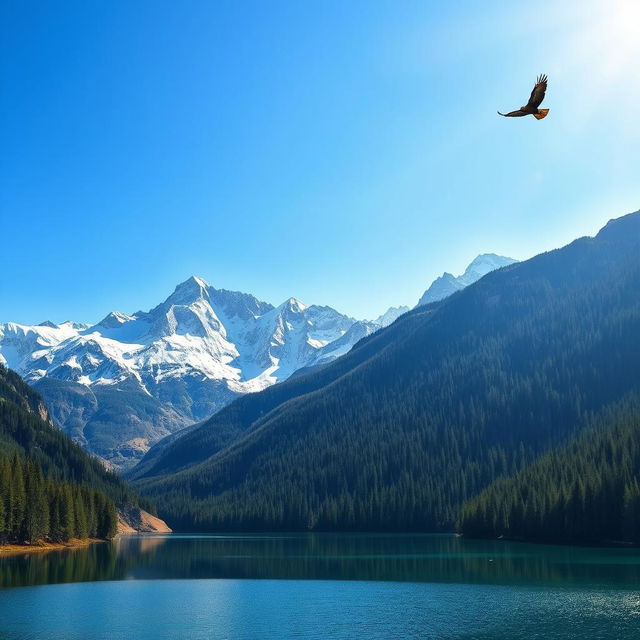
(20, 344)
(121, 384)
(447, 283)
(390, 316)
(340, 346)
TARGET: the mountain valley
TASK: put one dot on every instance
(122, 384)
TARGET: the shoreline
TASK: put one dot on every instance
(19, 549)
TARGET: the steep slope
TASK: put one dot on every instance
(26, 430)
(448, 284)
(587, 491)
(422, 415)
(49, 488)
(38, 457)
(122, 384)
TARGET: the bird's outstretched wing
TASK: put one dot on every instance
(537, 95)
(514, 114)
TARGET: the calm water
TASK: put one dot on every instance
(321, 586)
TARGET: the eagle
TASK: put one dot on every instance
(531, 108)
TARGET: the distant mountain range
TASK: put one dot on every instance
(122, 384)
(440, 408)
(448, 284)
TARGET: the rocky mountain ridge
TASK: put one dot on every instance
(125, 382)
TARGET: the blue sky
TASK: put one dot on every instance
(344, 153)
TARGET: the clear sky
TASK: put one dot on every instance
(345, 153)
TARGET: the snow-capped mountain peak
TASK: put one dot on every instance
(168, 367)
(293, 305)
(189, 291)
(121, 384)
(113, 320)
(390, 316)
(481, 265)
(447, 283)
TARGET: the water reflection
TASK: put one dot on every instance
(413, 558)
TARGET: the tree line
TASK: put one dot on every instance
(34, 508)
(26, 430)
(50, 489)
(423, 416)
(587, 491)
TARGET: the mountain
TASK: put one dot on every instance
(390, 316)
(421, 416)
(26, 429)
(49, 488)
(447, 283)
(121, 384)
(587, 491)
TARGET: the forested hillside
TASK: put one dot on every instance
(49, 488)
(33, 508)
(588, 491)
(423, 415)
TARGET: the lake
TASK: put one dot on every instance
(320, 586)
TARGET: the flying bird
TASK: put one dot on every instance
(531, 108)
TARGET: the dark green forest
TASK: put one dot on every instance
(25, 429)
(49, 487)
(587, 491)
(424, 415)
(33, 508)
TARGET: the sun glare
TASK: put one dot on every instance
(597, 56)
(619, 40)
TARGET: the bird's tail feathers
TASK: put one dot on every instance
(542, 113)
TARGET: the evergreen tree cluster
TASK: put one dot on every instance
(35, 508)
(587, 491)
(50, 489)
(26, 430)
(424, 415)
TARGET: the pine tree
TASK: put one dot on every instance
(17, 499)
